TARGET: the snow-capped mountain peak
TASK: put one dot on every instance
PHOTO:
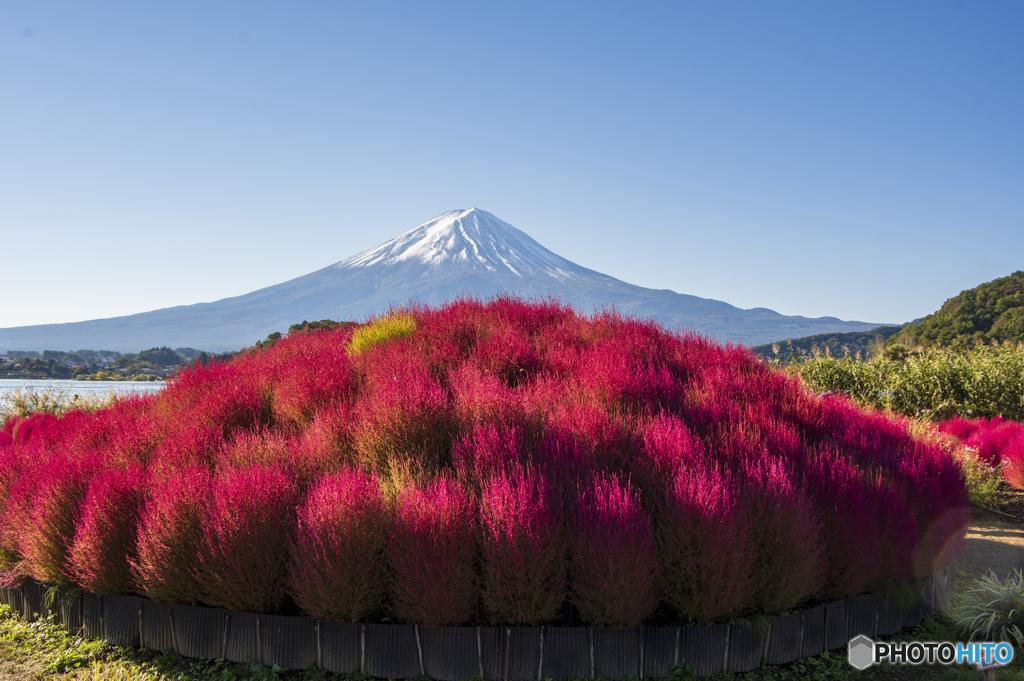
(463, 252)
(471, 239)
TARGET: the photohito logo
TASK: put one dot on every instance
(863, 652)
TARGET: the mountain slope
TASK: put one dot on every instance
(993, 311)
(459, 252)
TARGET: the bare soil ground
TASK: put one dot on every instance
(995, 541)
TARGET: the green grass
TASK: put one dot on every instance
(993, 609)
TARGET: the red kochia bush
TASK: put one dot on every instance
(579, 439)
(190, 446)
(934, 486)
(987, 436)
(243, 561)
(105, 541)
(170, 536)
(524, 549)
(228, 396)
(507, 353)
(319, 374)
(430, 553)
(51, 499)
(483, 398)
(667, 445)
(337, 568)
(996, 441)
(897, 537)
(706, 545)
(848, 520)
(1013, 458)
(704, 536)
(616, 372)
(23, 429)
(275, 449)
(961, 428)
(488, 449)
(614, 568)
(10, 424)
(329, 437)
(12, 469)
(788, 565)
(404, 412)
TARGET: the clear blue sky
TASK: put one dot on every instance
(857, 159)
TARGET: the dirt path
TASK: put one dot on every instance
(995, 543)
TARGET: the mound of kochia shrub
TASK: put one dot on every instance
(170, 536)
(480, 462)
(106, 538)
(613, 558)
(995, 441)
(344, 514)
(430, 554)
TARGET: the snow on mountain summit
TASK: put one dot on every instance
(470, 239)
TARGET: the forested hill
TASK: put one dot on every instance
(863, 344)
(990, 312)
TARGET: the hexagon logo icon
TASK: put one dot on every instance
(861, 652)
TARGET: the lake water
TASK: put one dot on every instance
(83, 388)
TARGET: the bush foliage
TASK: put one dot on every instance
(170, 536)
(431, 552)
(337, 567)
(937, 383)
(479, 462)
(994, 444)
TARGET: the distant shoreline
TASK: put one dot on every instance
(36, 377)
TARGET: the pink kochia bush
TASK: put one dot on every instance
(703, 535)
(787, 561)
(484, 462)
(47, 505)
(318, 374)
(243, 560)
(614, 566)
(706, 544)
(524, 549)
(337, 569)
(431, 551)
(996, 441)
(170, 536)
(11, 470)
(845, 508)
(105, 542)
(404, 411)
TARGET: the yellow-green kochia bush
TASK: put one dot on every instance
(381, 330)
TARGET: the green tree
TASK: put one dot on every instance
(160, 357)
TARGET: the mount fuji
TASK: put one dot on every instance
(459, 252)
